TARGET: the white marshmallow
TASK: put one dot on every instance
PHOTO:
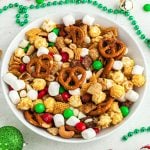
(75, 112)
(58, 120)
(88, 120)
(57, 57)
(26, 59)
(68, 20)
(81, 115)
(23, 93)
(88, 74)
(28, 87)
(126, 52)
(53, 88)
(88, 133)
(137, 69)
(24, 43)
(32, 94)
(118, 65)
(9, 78)
(87, 39)
(132, 96)
(42, 50)
(72, 121)
(84, 52)
(18, 85)
(14, 96)
(122, 99)
(52, 37)
(128, 5)
(75, 92)
(109, 83)
(88, 20)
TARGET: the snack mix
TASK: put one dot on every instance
(73, 79)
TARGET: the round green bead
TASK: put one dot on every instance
(130, 134)
(43, 5)
(37, 6)
(136, 131)
(142, 37)
(21, 24)
(17, 21)
(68, 113)
(50, 44)
(116, 11)
(66, 1)
(133, 22)
(124, 110)
(127, 13)
(18, 16)
(148, 129)
(131, 17)
(146, 7)
(5, 8)
(104, 8)
(95, 3)
(147, 41)
(100, 6)
(61, 89)
(1, 11)
(56, 31)
(148, 45)
(16, 4)
(97, 65)
(31, 6)
(60, 2)
(54, 3)
(121, 11)
(138, 32)
(39, 108)
(142, 129)
(89, 1)
(110, 11)
(125, 138)
(25, 21)
(49, 3)
(84, 1)
(39, 1)
(136, 27)
(26, 15)
(10, 5)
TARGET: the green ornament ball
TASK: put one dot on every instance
(39, 108)
(11, 138)
(97, 65)
(68, 113)
(124, 110)
(39, 1)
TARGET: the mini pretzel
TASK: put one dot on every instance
(42, 64)
(102, 108)
(72, 76)
(108, 68)
(110, 48)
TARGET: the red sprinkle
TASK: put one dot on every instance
(80, 126)
(65, 96)
(65, 56)
(47, 117)
(22, 68)
(97, 130)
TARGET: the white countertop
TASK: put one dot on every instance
(8, 29)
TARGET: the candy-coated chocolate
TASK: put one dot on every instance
(47, 117)
(22, 68)
(124, 110)
(61, 89)
(97, 65)
(65, 96)
(68, 113)
(146, 7)
(97, 130)
(56, 31)
(80, 126)
(39, 1)
(39, 108)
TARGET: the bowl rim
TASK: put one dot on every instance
(82, 140)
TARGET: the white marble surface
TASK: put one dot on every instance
(8, 29)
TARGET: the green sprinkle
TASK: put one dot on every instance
(127, 13)
(26, 48)
(138, 32)
(54, 3)
(17, 21)
(142, 37)
(60, 2)
(25, 21)
(43, 5)
(26, 15)
(21, 24)
(147, 41)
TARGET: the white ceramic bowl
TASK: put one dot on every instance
(134, 52)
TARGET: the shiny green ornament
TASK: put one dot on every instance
(39, 108)
(146, 7)
(68, 113)
(97, 65)
(39, 1)
(10, 138)
(124, 111)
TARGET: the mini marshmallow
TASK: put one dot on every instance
(118, 65)
(9, 77)
(32, 94)
(42, 50)
(126, 52)
(84, 52)
(57, 57)
(137, 69)
(72, 121)
(28, 87)
(69, 20)
(127, 5)
(58, 120)
(88, 74)
(88, 133)
(122, 98)
(88, 120)
(132, 96)
(18, 85)
(26, 59)
(109, 83)
(24, 43)
(81, 115)
(52, 37)
(75, 92)
(88, 20)
(53, 88)
(87, 39)
(23, 93)
(75, 112)
(14, 96)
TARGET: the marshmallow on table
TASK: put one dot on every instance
(24, 43)
(14, 97)
(132, 96)
(81, 115)
(57, 57)
(32, 94)
(75, 92)
(52, 37)
(72, 121)
(42, 50)
(88, 20)
(68, 20)
(84, 52)
(118, 65)
(88, 133)
(53, 88)
(58, 120)
(26, 59)
(137, 69)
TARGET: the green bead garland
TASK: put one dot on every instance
(135, 132)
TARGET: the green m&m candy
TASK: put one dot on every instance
(97, 65)
(39, 1)
(39, 108)
(68, 113)
(56, 31)
(146, 7)
(61, 89)
(124, 110)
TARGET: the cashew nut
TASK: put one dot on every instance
(65, 134)
(69, 51)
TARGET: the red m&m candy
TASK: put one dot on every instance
(65, 96)
(80, 126)
(65, 56)
(22, 68)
